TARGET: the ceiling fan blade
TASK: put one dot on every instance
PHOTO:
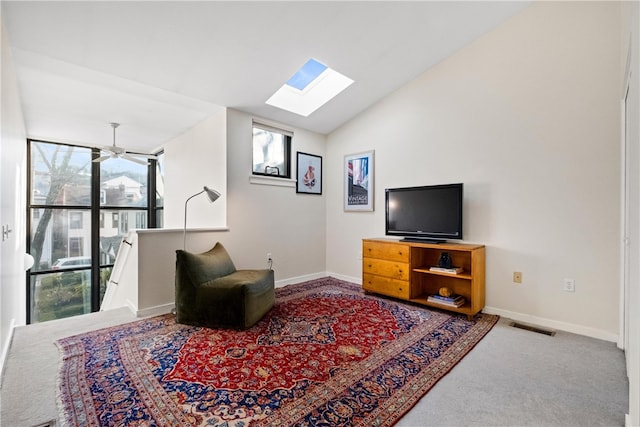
(146, 156)
(119, 152)
(101, 158)
(133, 159)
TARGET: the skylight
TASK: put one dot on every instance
(309, 88)
(305, 75)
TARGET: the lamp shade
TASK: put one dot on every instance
(211, 194)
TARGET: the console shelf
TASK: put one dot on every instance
(425, 270)
(402, 270)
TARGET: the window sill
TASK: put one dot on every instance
(278, 182)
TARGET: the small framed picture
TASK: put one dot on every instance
(358, 182)
(309, 173)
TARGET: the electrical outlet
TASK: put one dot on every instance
(569, 285)
(517, 277)
(269, 257)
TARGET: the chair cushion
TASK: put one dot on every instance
(238, 300)
(201, 268)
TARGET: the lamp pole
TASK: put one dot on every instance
(212, 195)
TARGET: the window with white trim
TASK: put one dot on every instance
(271, 151)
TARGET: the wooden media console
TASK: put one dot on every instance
(403, 270)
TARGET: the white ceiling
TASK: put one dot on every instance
(159, 68)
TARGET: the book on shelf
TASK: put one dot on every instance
(452, 270)
(453, 300)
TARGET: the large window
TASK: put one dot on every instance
(78, 213)
(271, 151)
(157, 176)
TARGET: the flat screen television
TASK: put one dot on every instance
(431, 213)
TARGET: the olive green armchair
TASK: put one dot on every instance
(211, 292)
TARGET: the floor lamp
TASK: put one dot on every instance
(212, 195)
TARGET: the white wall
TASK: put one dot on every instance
(261, 218)
(193, 160)
(275, 219)
(527, 117)
(12, 196)
(631, 50)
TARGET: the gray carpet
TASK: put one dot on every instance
(512, 378)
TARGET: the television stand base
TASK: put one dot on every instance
(422, 240)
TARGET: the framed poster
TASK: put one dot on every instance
(358, 182)
(309, 173)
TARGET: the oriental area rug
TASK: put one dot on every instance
(327, 354)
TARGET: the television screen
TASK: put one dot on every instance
(431, 212)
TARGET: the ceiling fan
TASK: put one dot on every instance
(116, 152)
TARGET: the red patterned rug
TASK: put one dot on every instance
(326, 355)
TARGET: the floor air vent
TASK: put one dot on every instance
(532, 328)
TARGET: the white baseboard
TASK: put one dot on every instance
(356, 280)
(521, 317)
(131, 306)
(300, 279)
(553, 324)
(150, 311)
(6, 345)
(534, 320)
(155, 311)
(167, 308)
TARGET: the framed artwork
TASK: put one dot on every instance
(358, 182)
(309, 175)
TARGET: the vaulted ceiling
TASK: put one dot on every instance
(159, 68)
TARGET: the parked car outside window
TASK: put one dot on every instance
(72, 262)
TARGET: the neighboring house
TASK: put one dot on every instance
(72, 227)
(122, 188)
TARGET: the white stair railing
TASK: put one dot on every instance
(114, 285)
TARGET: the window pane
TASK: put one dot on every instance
(116, 226)
(105, 274)
(160, 180)
(59, 295)
(55, 243)
(75, 246)
(75, 220)
(141, 220)
(123, 183)
(271, 153)
(159, 218)
(61, 174)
